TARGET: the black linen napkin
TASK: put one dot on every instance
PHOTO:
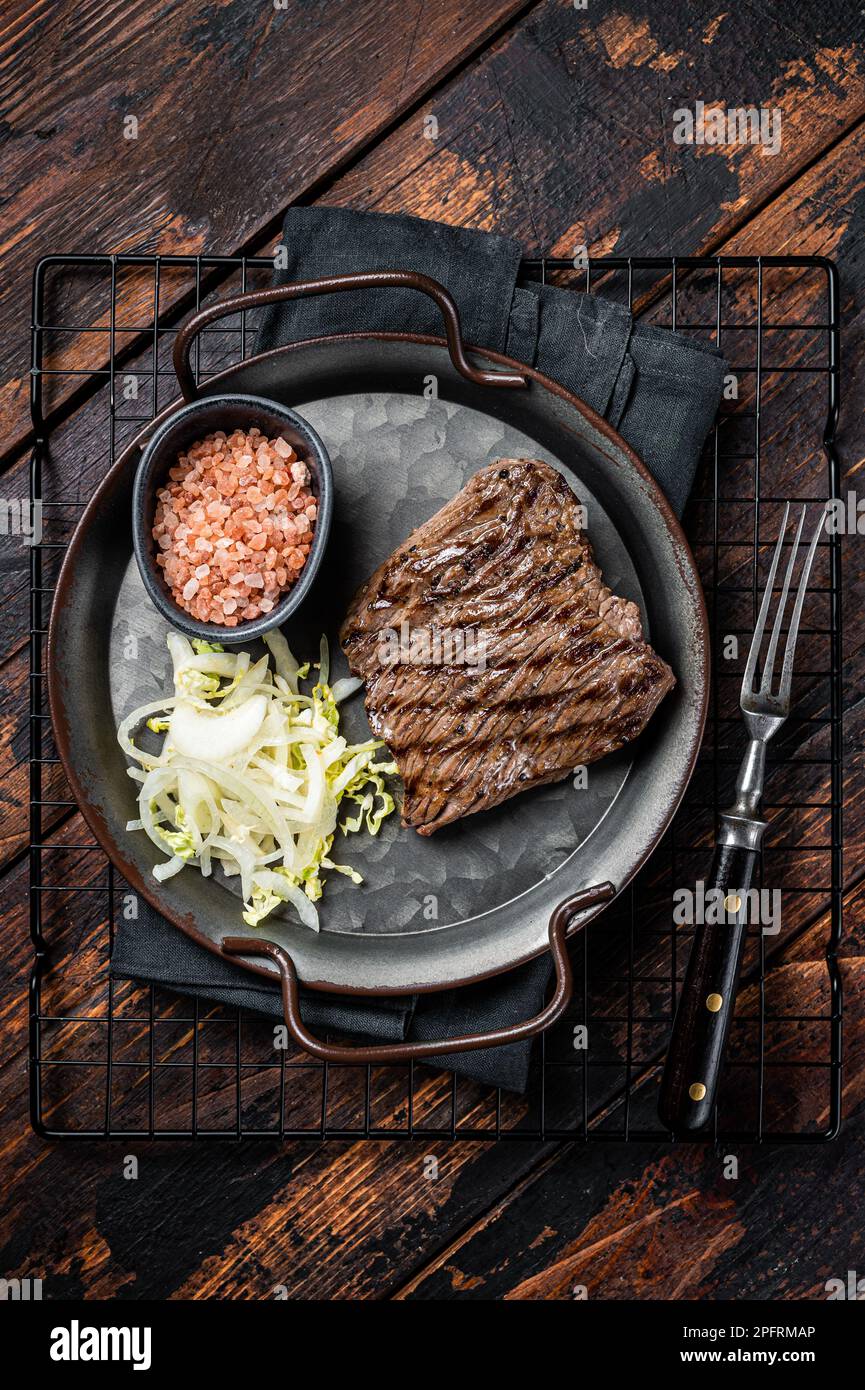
(659, 389)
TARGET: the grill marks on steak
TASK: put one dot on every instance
(567, 678)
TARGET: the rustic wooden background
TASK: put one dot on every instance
(555, 126)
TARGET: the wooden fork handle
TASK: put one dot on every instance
(695, 1059)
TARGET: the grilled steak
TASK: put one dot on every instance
(494, 656)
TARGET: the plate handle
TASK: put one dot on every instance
(331, 284)
(413, 1051)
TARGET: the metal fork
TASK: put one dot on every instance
(696, 1054)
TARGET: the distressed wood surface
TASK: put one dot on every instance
(568, 111)
(571, 113)
(565, 115)
(188, 128)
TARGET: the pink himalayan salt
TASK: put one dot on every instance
(228, 498)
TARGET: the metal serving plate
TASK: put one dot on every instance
(404, 430)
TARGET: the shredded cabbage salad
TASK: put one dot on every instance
(252, 774)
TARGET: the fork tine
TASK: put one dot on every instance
(768, 665)
(793, 632)
(757, 639)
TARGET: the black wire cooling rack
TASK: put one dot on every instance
(121, 1061)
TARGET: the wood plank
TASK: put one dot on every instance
(565, 100)
(794, 405)
(218, 1245)
(14, 763)
(792, 420)
(219, 1201)
(670, 1224)
(607, 1232)
(383, 1208)
(240, 108)
(684, 1191)
(562, 133)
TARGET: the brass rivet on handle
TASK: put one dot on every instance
(732, 902)
(713, 1003)
(697, 1091)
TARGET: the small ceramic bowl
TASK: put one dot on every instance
(190, 423)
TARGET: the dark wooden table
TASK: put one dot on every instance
(554, 125)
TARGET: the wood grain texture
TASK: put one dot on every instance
(560, 120)
(562, 133)
(670, 1224)
(793, 409)
(569, 112)
(240, 108)
(365, 1212)
(680, 1223)
(197, 1223)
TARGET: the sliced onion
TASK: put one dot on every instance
(180, 650)
(278, 884)
(250, 775)
(132, 721)
(315, 795)
(303, 907)
(168, 869)
(252, 682)
(344, 687)
(286, 664)
(216, 736)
